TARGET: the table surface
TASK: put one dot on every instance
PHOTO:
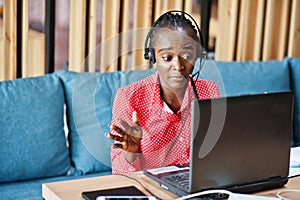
(72, 189)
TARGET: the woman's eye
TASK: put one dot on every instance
(187, 57)
(167, 58)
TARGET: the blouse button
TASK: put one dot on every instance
(130, 169)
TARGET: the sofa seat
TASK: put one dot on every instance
(24, 189)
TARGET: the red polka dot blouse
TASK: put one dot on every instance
(166, 135)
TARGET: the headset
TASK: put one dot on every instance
(149, 53)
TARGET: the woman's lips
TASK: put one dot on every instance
(177, 77)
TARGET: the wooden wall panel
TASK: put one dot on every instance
(227, 29)
(250, 29)
(157, 9)
(143, 18)
(162, 6)
(258, 32)
(276, 29)
(172, 5)
(2, 69)
(109, 36)
(125, 25)
(24, 40)
(92, 35)
(267, 29)
(10, 38)
(77, 35)
(29, 49)
(294, 30)
(36, 54)
(188, 6)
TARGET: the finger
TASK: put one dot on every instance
(117, 129)
(114, 137)
(118, 145)
(122, 145)
(125, 125)
(135, 118)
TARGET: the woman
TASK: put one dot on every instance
(152, 117)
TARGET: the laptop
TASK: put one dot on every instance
(240, 143)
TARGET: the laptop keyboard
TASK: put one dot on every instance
(180, 180)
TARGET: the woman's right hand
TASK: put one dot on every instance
(129, 138)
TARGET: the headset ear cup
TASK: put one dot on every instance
(146, 54)
(152, 56)
(149, 55)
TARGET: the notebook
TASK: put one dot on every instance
(240, 143)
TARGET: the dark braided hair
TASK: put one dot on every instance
(173, 21)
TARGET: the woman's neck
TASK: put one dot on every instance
(172, 99)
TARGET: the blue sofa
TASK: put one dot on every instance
(37, 146)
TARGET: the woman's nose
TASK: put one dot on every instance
(177, 63)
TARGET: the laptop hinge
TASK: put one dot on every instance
(275, 178)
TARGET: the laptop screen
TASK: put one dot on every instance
(240, 140)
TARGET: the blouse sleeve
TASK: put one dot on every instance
(122, 110)
(207, 89)
(215, 90)
(120, 164)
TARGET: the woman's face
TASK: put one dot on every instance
(175, 54)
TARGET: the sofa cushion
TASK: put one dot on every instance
(89, 148)
(295, 81)
(89, 99)
(248, 77)
(32, 138)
